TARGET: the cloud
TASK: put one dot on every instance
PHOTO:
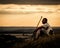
(28, 9)
(30, 2)
(15, 12)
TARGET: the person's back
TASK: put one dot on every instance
(47, 29)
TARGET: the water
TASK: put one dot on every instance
(21, 32)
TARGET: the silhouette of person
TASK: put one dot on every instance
(44, 29)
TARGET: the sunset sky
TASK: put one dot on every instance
(28, 14)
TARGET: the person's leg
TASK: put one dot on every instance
(42, 32)
(34, 35)
(37, 34)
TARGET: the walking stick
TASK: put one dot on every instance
(39, 21)
(34, 33)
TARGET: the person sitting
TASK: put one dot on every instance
(45, 29)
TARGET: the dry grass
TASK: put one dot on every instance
(42, 42)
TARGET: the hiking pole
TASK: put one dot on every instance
(34, 33)
(39, 22)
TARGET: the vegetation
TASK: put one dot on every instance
(42, 42)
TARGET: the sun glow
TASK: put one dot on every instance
(28, 15)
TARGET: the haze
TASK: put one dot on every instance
(28, 15)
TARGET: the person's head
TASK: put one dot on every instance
(44, 20)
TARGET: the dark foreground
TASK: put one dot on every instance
(7, 41)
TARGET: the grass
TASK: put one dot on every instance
(42, 42)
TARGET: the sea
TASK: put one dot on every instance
(21, 32)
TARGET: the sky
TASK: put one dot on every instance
(28, 12)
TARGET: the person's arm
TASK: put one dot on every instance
(39, 28)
